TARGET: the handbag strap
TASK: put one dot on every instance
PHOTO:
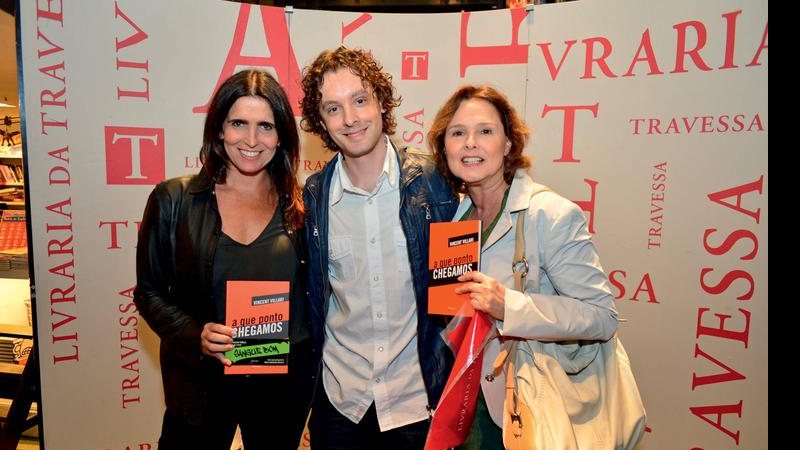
(520, 269)
(508, 351)
(520, 266)
(520, 263)
(507, 357)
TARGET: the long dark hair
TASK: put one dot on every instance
(361, 64)
(283, 166)
(513, 125)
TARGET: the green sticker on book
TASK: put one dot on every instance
(257, 351)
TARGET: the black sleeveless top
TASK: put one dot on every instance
(270, 257)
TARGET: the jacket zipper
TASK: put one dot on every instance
(315, 233)
(427, 207)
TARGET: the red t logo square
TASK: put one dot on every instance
(415, 66)
(134, 155)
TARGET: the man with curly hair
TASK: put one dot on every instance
(381, 363)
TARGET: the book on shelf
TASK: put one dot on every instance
(13, 234)
(259, 312)
(15, 350)
(455, 249)
(11, 174)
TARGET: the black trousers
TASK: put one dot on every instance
(330, 430)
(270, 410)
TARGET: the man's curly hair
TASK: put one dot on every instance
(360, 63)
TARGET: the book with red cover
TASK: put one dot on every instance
(455, 249)
(259, 311)
(12, 229)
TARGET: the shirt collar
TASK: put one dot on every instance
(341, 182)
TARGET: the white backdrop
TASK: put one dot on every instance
(652, 115)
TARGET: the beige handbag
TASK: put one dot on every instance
(567, 395)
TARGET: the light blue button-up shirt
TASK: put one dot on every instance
(370, 351)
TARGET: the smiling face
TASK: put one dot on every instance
(476, 143)
(351, 114)
(249, 136)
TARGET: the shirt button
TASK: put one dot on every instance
(380, 349)
(380, 315)
(376, 278)
(372, 241)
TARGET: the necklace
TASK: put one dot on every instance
(488, 230)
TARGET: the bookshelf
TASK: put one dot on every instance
(12, 192)
(13, 233)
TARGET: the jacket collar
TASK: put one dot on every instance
(521, 190)
(411, 161)
(201, 183)
(519, 196)
(408, 166)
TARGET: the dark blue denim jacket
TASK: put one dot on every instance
(425, 197)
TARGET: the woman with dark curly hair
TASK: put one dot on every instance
(240, 218)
